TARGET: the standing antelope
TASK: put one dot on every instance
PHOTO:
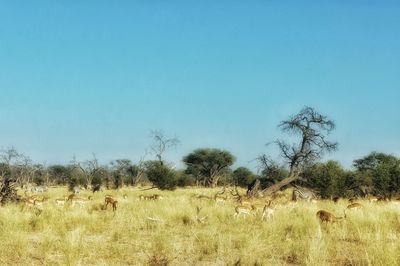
(241, 199)
(268, 212)
(355, 206)
(110, 200)
(325, 216)
(218, 198)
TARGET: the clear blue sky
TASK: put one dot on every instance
(78, 77)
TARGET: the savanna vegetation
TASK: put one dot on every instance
(207, 213)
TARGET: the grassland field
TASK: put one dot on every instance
(168, 232)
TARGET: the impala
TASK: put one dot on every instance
(241, 199)
(268, 212)
(325, 216)
(110, 200)
(80, 201)
(152, 197)
(355, 206)
(218, 198)
(245, 210)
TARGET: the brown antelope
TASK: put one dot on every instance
(110, 200)
(325, 216)
(218, 198)
(80, 201)
(355, 206)
(70, 197)
(245, 210)
(151, 197)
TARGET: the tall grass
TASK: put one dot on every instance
(166, 232)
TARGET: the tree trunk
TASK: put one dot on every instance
(272, 189)
(214, 181)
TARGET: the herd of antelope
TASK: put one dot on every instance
(243, 205)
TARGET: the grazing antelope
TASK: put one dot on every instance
(112, 201)
(80, 201)
(245, 210)
(152, 197)
(325, 216)
(355, 206)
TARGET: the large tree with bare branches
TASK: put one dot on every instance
(161, 144)
(311, 128)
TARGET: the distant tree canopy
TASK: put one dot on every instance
(161, 175)
(328, 179)
(382, 171)
(299, 163)
(242, 176)
(208, 165)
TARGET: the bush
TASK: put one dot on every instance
(243, 177)
(185, 180)
(162, 176)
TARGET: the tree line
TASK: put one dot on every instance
(299, 164)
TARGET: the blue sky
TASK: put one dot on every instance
(83, 77)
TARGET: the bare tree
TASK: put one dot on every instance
(8, 159)
(161, 143)
(312, 129)
(141, 168)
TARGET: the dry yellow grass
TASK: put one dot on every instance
(170, 231)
